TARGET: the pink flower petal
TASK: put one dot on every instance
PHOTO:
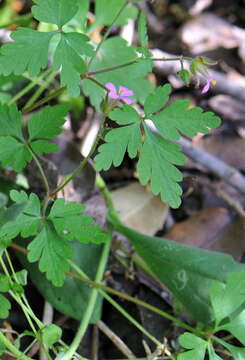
(113, 91)
(123, 91)
(126, 99)
(206, 87)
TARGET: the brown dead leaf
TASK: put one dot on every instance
(139, 208)
(212, 229)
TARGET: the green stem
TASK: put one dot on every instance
(91, 303)
(111, 68)
(96, 82)
(44, 178)
(138, 302)
(107, 33)
(178, 58)
(119, 308)
(16, 296)
(47, 98)
(83, 162)
(18, 354)
(40, 90)
(26, 89)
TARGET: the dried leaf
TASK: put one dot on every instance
(139, 208)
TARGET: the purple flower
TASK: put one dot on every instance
(123, 93)
(206, 87)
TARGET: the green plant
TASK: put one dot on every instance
(51, 230)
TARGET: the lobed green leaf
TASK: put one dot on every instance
(57, 12)
(28, 52)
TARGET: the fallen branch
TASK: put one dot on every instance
(218, 167)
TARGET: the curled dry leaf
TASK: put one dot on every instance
(212, 229)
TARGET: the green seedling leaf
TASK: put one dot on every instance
(157, 99)
(196, 346)
(68, 56)
(4, 283)
(107, 10)
(227, 298)
(236, 327)
(188, 272)
(28, 52)
(156, 166)
(21, 277)
(142, 30)
(180, 118)
(57, 12)
(120, 140)
(51, 334)
(5, 306)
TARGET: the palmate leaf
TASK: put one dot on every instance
(68, 223)
(57, 12)
(180, 118)
(72, 297)
(51, 245)
(197, 347)
(14, 149)
(30, 49)
(156, 166)
(52, 251)
(236, 327)
(157, 156)
(28, 52)
(27, 220)
(227, 298)
(68, 56)
(120, 140)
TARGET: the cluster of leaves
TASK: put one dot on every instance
(16, 150)
(210, 285)
(49, 231)
(52, 233)
(227, 302)
(157, 155)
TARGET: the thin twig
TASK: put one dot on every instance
(218, 167)
(224, 196)
(117, 341)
